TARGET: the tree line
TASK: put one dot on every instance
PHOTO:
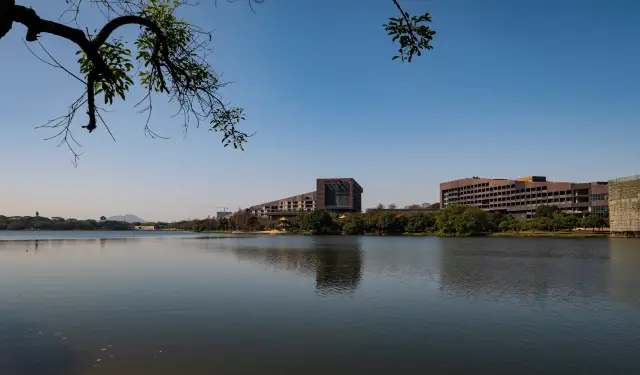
(57, 223)
(454, 220)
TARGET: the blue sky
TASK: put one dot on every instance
(512, 88)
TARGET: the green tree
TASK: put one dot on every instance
(446, 220)
(317, 222)
(420, 222)
(562, 221)
(353, 225)
(169, 57)
(474, 221)
(238, 221)
(392, 206)
(572, 221)
(592, 222)
(462, 220)
(223, 223)
(601, 222)
(542, 223)
(253, 222)
(388, 223)
(546, 211)
(558, 221)
(497, 217)
(103, 218)
(508, 223)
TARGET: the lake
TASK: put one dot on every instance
(85, 303)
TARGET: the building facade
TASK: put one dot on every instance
(338, 195)
(521, 197)
(624, 204)
(221, 214)
(286, 206)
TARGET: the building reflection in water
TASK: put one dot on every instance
(336, 263)
(339, 264)
(536, 269)
(625, 270)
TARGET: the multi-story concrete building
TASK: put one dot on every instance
(624, 201)
(286, 206)
(521, 197)
(333, 194)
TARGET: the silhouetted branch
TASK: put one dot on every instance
(55, 62)
(63, 123)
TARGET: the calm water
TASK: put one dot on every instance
(321, 305)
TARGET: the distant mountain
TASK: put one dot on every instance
(128, 218)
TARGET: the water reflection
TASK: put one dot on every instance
(534, 269)
(42, 244)
(624, 268)
(216, 306)
(335, 262)
(339, 264)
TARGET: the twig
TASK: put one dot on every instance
(55, 63)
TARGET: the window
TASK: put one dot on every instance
(599, 197)
(601, 210)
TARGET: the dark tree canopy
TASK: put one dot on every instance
(169, 58)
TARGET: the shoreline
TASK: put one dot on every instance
(521, 234)
(573, 234)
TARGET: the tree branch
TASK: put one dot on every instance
(55, 63)
(406, 18)
(36, 25)
(6, 21)
(91, 102)
(115, 23)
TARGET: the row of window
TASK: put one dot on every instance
(264, 212)
(601, 209)
(537, 197)
(515, 204)
(509, 192)
(508, 189)
(520, 195)
(485, 187)
(509, 196)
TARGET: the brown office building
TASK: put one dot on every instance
(521, 197)
(339, 195)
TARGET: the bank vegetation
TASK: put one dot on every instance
(454, 220)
